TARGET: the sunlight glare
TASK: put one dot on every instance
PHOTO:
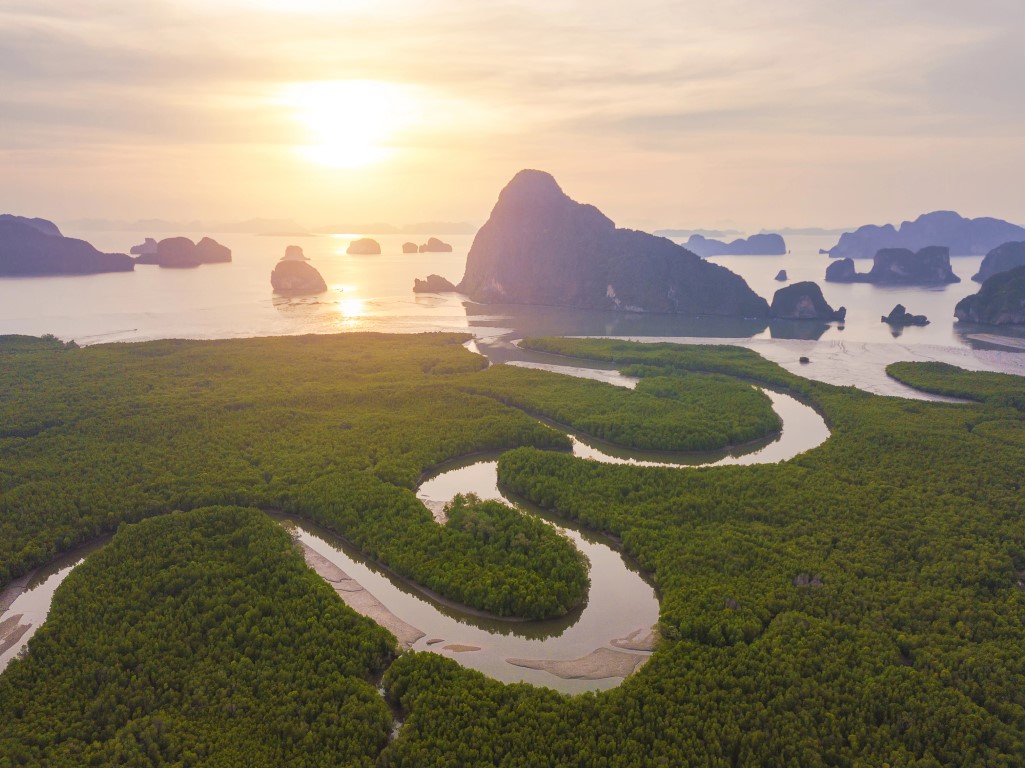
(350, 123)
(351, 308)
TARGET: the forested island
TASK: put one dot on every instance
(860, 604)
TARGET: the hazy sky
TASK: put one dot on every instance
(793, 112)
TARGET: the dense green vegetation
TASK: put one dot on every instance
(859, 605)
(197, 639)
(337, 429)
(664, 358)
(685, 412)
(517, 548)
(944, 379)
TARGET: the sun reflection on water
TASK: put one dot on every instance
(351, 313)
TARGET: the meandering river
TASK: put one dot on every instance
(592, 648)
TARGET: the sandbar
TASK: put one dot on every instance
(13, 591)
(638, 640)
(361, 601)
(460, 648)
(597, 665)
(11, 631)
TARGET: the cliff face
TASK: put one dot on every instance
(964, 237)
(36, 247)
(541, 247)
(1000, 300)
(898, 266)
(1001, 259)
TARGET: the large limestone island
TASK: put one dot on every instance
(541, 247)
(964, 237)
(756, 245)
(35, 247)
(1001, 259)
(181, 252)
(1000, 300)
(898, 266)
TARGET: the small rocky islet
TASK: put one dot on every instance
(899, 316)
(181, 252)
(433, 284)
(293, 276)
(364, 246)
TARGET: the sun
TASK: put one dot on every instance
(350, 123)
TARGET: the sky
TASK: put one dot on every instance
(735, 113)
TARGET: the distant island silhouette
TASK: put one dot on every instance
(964, 237)
(36, 247)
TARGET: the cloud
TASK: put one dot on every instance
(516, 82)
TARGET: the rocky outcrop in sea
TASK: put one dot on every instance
(365, 246)
(433, 284)
(182, 253)
(804, 301)
(434, 245)
(899, 316)
(296, 278)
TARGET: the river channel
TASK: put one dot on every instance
(592, 648)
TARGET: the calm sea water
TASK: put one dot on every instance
(374, 293)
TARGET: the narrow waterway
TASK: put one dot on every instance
(592, 648)
(25, 602)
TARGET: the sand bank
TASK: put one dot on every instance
(596, 665)
(638, 640)
(359, 599)
(11, 631)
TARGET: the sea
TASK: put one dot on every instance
(374, 294)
